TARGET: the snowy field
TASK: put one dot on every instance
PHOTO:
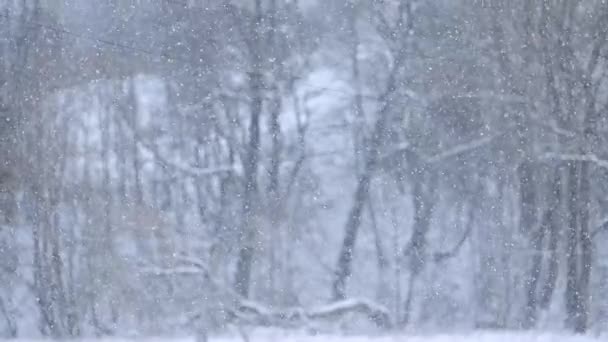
(472, 337)
(279, 336)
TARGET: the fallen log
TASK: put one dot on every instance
(257, 314)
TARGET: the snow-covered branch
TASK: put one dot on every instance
(183, 265)
(602, 227)
(490, 96)
(251, 312)
(462, 148)
(443, 155)
(256, 313)
(172, 271)
(183, 167)
(589, 157)
(441, 256)
(179, 166)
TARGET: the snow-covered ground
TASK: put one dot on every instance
(471, 337)
(274, 336)
(430, 338)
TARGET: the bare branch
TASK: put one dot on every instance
(462, 148)
(441, 256)
(602, 227)
(183, 168)
(590, 157)
(172, 271)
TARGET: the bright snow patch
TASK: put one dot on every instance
(472, 337)
(278, 336)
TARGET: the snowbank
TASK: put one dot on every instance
(473, 337)
(281, 336)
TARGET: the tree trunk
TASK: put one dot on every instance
(554, 220)
(138, 193)
(534, 278)
(424, 203)
(528, 209)
(586, 251)
(572, 293)
(248, 229)
(579, 249)
(528, 225)
(343, 270)
(353, 222)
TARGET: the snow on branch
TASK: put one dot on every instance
(589, 157)
(171, 271)
(554, 127)
(183, 167)
(602, 227)
(184, 265)
(491, 96)
(462, 148)
(441, 256)
(255, 313)
(258, 314)
(377, 313)
(449, 153)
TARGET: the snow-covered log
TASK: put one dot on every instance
(258, 314)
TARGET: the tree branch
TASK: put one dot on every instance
(441, 256)
(183, 168)
(600, 228)
(258, 314)
(589, 157)
(462, 148)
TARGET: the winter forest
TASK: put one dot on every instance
(195, 167)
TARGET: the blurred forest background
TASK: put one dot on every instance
(179, 166)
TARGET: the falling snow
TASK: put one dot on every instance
(303, 170)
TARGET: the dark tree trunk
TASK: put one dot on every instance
(528, 205)
(133, 101)
(579, 249)
(343, 269)
(586, 250)
(248, 229)
(573, 296)
(353, 222)
(554, 222)
(424, 203)
(528, 225)
(274, 192)
(533, 278)
(275, 110)
(246, 252)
